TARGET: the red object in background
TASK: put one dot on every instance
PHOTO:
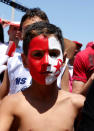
(78, 43)
(13, 23)
(11, 49)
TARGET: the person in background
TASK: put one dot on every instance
(87, 119)
(14, 35)
(42, 104)
(83, 69)
(1, 34)
(77, 48)
(71, 49)
(2, 48)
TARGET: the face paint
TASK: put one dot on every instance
(45, 59)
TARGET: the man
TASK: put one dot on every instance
(17, 77)
(2, 46)
(14, 35)
(83, 69)
(87, 119)
(13, 32)
(42, 104)
(77, 48)
(71, 49)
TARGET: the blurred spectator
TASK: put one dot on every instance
(83, 69)
(71, 49)
(87, 119)
(15, 35)
(1, 34)
(2, 47)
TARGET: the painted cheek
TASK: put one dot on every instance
(38, 66)
(55, 65)
(55, 62)
(34, 65)
(35, 71)
(39, 43)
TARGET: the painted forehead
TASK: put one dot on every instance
(43, 42)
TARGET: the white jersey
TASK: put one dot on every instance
(19, 76)
(3, 48)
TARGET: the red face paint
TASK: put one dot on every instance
(38, 58)
(11, 49)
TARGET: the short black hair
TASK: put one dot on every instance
(32, 13)
(43, 28)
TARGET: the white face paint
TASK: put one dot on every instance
(55, 59)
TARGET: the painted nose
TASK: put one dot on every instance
(45, 63)
(45, 59)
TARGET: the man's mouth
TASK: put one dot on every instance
(46, 72)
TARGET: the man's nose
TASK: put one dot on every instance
(45, 58)
(45, 63)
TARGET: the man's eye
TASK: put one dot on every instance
(54, 53)
(37, 54)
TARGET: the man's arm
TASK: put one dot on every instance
(4, 87)
(80, 84)
(81, 87)
(78, 87)
(6, 115)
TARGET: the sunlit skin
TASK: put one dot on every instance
(45, 59)
(41, 107)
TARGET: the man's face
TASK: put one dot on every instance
(44, 59)
(12, 32)
(28, 22)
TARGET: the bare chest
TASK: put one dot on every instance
(55, 119)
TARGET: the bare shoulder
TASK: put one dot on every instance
(10, 102)
(76, 99)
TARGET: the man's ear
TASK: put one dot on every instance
(24, 60)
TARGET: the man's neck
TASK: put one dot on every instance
(44, 92)
(41, 97)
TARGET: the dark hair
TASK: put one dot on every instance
(32, 13)
(1, 34)
(43, 28)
